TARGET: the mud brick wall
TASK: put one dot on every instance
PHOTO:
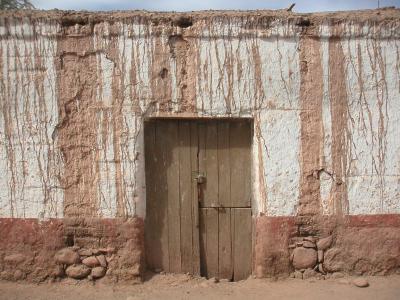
(27, 248)
(40, 250)
(323, 91)
(358, 245)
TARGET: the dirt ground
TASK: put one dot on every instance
(186, 287)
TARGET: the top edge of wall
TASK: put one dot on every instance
(354, 15)
(385, 22)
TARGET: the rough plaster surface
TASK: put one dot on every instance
(323, 91)
(362, 244)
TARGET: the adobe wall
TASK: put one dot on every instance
(323, 91)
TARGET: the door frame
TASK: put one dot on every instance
(194, 118)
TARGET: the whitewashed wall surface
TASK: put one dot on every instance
(323, 91)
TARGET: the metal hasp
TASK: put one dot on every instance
(200, 177)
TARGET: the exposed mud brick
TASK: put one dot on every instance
(123, 237)
(311, 95)
(87, 241)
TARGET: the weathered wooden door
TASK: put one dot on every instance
(198, 182)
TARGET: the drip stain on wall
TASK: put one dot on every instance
(322, 90)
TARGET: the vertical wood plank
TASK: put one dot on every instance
(202, 158)
(171, 150)
(161, 194)
(209, 242)
(225, 262)
(212, 242)
(194, 161)
(240, 163)
(152, 226)
(224, 173)
(209, 163)
(185, 188)
(203, 241)
(242, 243)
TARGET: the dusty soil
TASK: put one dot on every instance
(185, 287)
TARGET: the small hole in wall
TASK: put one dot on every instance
(184, 22)
(68, 22)
(69, 240)
(304, 22)
(163, 73)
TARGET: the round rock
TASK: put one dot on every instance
(324, 243)
(102, 260)
(67, 256)
(98, 272)
(77, 271)
(360, 282)
(304, 258)
(91, 261)
(335, 260)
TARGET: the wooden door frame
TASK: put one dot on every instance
(194, 118)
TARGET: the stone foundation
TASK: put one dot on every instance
(51, 250)
(113, 248)
(356, 245)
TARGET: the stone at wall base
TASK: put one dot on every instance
(360, 282)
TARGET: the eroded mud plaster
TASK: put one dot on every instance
(323, 91)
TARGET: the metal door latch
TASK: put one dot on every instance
(200, 177)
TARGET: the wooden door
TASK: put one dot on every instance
(192, 225)
(171, 224)
(225, 199)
